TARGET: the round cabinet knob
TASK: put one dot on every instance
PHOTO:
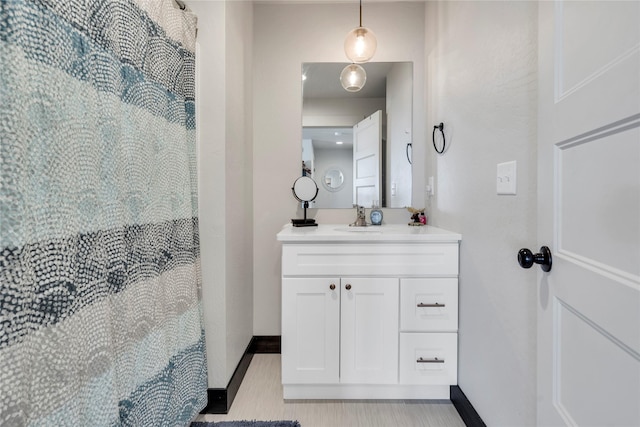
(332, 286)
(526, 258)
(348, 287)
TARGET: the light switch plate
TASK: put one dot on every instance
(506, 178)
(430, 187)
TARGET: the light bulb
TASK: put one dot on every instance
(360, 45)
(353, 77)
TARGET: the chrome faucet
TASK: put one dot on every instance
(361, 219)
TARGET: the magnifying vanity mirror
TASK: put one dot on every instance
(358, 144)
(304, 190)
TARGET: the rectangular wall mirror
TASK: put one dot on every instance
(357, 146)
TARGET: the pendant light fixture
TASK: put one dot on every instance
(353, 77)
(360, 44)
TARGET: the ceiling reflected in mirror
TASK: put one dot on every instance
(322, 80)
(327, 137)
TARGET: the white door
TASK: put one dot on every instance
(367, 163)
(589, 213)
(310, 330)
(369, 331)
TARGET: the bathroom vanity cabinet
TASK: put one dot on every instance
(369, 313)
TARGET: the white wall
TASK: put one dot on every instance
(482, 83)
(238, 189)
(334, 158)
(224, 127)
(285, 36)
(399, 130)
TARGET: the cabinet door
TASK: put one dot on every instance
(369, 331)
(310, 330)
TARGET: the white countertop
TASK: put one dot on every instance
(371, 233)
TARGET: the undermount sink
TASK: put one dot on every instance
(360, 229)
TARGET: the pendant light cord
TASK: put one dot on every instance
(360, 13)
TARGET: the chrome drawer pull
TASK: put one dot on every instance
(430, 305)
(434, 360)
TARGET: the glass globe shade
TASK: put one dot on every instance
(353, 77)
(360, 45)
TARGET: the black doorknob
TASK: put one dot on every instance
(526, 258)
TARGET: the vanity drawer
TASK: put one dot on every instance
(429, 304)
(386, 259)
(429, 358)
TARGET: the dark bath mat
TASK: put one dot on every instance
(246, 424)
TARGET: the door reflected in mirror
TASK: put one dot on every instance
(338, 134)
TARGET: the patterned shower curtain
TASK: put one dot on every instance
(100, 309)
